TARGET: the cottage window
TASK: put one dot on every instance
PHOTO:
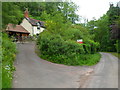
(38, 25)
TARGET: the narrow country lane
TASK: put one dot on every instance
(33, 72)
(105, 73)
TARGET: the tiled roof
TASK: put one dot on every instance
(34, 22)
(16, 28)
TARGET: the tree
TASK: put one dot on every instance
(114, 19)
(11, 13)
(68, 10)
(106, 29)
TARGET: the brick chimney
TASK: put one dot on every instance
(26, 13)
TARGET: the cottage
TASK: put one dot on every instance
(33, 26)
(28, 26)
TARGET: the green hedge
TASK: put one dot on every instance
(8, 56)
(55, 48)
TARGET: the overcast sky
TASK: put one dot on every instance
(93, 8)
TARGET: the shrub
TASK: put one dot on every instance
(91, 46)
(117, 45)
(58, 50)
(51, 44)
(58, 43)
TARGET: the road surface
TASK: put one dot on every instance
(105, 73)
(33, 72)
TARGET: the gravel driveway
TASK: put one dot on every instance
(33, 72)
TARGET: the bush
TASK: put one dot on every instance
(8, 56)
(117, 45)
(91, 47)
(51, 44)
(58, 43)
(58, 50)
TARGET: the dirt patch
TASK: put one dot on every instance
(85, 77)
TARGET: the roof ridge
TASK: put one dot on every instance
(23, 28)
(16, 28)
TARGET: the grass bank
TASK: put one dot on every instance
(77, 60)
(80, 59)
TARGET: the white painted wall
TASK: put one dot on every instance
(36, 31)
(27, 26)
(41, 29)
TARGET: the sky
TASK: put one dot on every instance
(93, 8)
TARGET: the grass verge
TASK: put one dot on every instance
(76, 60)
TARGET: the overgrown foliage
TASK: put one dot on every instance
(106, 30)
(8, 56)
(58, 43)
(117, 45)
(65, 50)
(11, 13)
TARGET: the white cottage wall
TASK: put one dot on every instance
(36, 31)
(27, 26)
(41, 29)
